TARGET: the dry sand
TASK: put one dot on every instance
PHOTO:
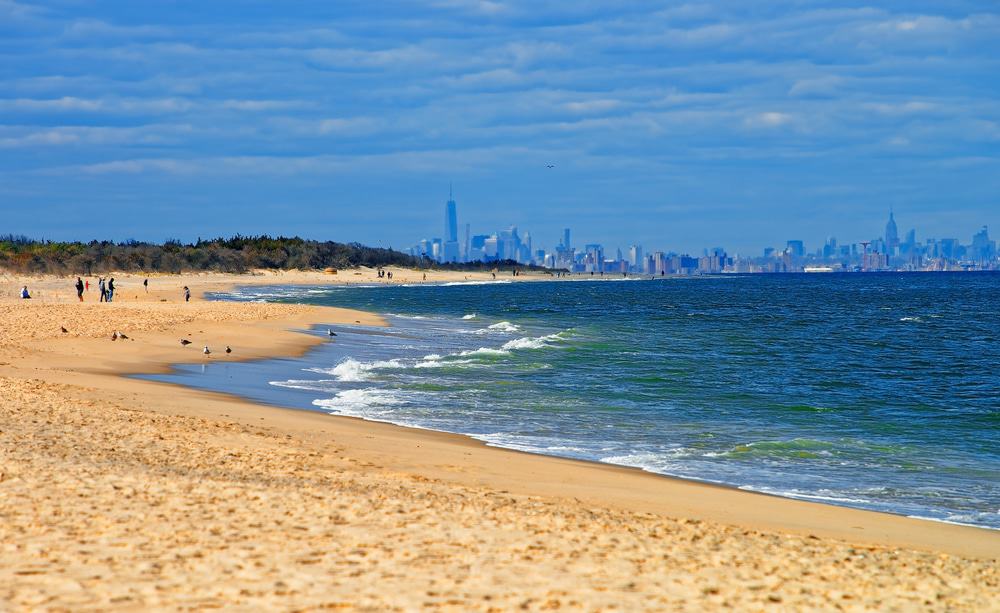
(119, 493)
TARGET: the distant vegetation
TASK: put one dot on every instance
(20, 254)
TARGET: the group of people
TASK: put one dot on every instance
(384, 274)
(106, 289)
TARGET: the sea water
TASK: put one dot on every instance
(877, 391)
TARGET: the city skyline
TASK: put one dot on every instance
(885, 251)
(717, 122)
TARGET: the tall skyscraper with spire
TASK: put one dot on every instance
(891, 235)
(450, 229)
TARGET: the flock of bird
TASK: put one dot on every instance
(184, 342)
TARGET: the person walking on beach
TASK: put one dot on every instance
(86, 285)
(101, 288)
(145, 285)
(79, 288)
(24, 293)
(111, 289)
(187, 294)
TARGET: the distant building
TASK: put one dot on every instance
(635, 258)
(449, 251)
(796, 248)
(982, 249)
(593, 258)
(891, 236)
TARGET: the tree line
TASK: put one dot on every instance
(238, 254)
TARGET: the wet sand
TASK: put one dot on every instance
(122, 493)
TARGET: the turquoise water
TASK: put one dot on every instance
(873, 391)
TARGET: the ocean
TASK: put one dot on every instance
(876, 391)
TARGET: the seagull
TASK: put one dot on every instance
(64, 330)
(114, 335)
(330, 333)
(228, 349)
(550, 165)
(185, 341)
(205, 350)
(121, 336)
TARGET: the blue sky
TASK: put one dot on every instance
(677, 126)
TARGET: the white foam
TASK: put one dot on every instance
(469, 316)
(454, 283)
(484, 351)
(504, 326)
(352, 370)
(803, 495)
(538, 342)
(357, 401)
(910, 319)
(303, 384)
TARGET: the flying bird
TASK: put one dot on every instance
(185, 341)
(331, 333)
(205, 350)
(228, 349)
(550, 165)
(64, 330)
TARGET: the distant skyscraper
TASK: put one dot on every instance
(450, 249)
(891, 235)
(635, 259)
(451, 219)
(795, 248)
(565, 240)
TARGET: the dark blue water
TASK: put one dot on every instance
(874, 391)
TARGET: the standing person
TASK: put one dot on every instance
(79, 288)
(24, 293)
(101, 288)
(187, 294)
(111, 289)
(86, 285)
(145, 285)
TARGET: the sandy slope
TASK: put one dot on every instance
(123, 493)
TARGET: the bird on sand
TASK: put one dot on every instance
(330, 333)
(121, 336)
(206, 350)
(114, 335)
(228, 349)
(185, 341)
(64, 330)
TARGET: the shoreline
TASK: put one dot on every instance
(88, 365)
(469, 439)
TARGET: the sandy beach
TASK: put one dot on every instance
(119, 493)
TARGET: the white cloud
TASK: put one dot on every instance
(592, 106)
(768, 119)
(825, 86)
